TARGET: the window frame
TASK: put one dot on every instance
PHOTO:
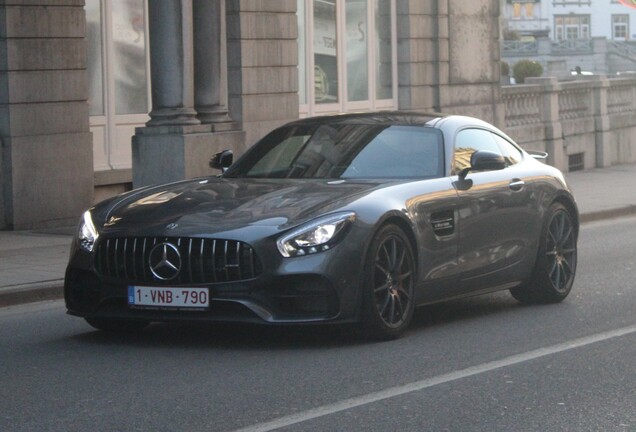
(564, 24)
(309, 107)
(624, 24)
(112, 131)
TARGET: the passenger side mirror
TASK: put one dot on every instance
(484, 160)
(222, 160)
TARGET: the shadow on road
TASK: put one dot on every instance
(258, 337)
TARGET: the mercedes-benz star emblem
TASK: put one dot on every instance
(165, 261)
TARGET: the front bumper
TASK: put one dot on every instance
(317, 288)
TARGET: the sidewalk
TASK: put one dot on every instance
(32, 263)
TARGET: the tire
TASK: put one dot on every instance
(555, 267)
(117, 325)
(388, 285)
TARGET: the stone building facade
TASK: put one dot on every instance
(216, 74)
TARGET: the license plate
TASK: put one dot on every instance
(160, 297)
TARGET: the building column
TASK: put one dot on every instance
(210, 61)
(554, 143)
(601, 121)
(174, 145)
(171, 63)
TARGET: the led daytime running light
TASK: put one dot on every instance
(314, 237)
(87, 232)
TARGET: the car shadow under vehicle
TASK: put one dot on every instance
(252, 336)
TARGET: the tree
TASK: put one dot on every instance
(526, 68)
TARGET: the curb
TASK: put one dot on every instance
(608, 214)
(30, 293)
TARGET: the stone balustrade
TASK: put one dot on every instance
(583, 123)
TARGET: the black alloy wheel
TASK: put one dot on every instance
(561, 251)
(555, 268)
(390, 285)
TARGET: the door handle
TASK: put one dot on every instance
(516, 184)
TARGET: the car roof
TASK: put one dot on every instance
(376, 117)
(414, 118)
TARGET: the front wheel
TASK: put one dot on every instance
(555, 268)
(389, 285)
(117, 325)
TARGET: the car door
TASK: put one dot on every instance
(497, 214)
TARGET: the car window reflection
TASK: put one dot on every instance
(346, 151)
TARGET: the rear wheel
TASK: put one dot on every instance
(389, 285)
(555, 268)
(117, 325)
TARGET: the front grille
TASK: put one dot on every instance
(202, 261)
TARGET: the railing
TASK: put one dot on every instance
(575, 103)
(522, 108)
(626, 49)
(573, 46)
(590, 116)
(598, 55)
(621, 97)
(519, 48)
(574, 100)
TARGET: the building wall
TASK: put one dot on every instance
(448, 57)
(419, 60)
(472, 86)
(262, 65)
(447, 60)
(46, 174)
(538, 19)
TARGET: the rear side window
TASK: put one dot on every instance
(467, 142)
(510, 152)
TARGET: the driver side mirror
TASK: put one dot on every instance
(484, 160)
(222, 160)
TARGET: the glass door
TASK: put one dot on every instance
(118, 69)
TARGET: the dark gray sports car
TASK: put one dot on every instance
(349, 218)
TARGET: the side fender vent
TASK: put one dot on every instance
(443, 223)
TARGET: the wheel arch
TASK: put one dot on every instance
(571, 207)
(405, 226)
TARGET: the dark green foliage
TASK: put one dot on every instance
(526, 68)
(505, 68)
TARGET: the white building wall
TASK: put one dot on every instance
(600, 13)
(544, 11)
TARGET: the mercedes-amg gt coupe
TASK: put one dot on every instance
(353, 218)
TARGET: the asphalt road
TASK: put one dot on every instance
(482, 364)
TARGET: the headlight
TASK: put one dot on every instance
(87, 234)
(316, 236)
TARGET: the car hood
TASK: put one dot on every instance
(213, 206)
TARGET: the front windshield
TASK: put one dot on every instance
(344, 151)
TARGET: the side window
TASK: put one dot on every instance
(510, 152)
(468, 142)
(400, 151)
